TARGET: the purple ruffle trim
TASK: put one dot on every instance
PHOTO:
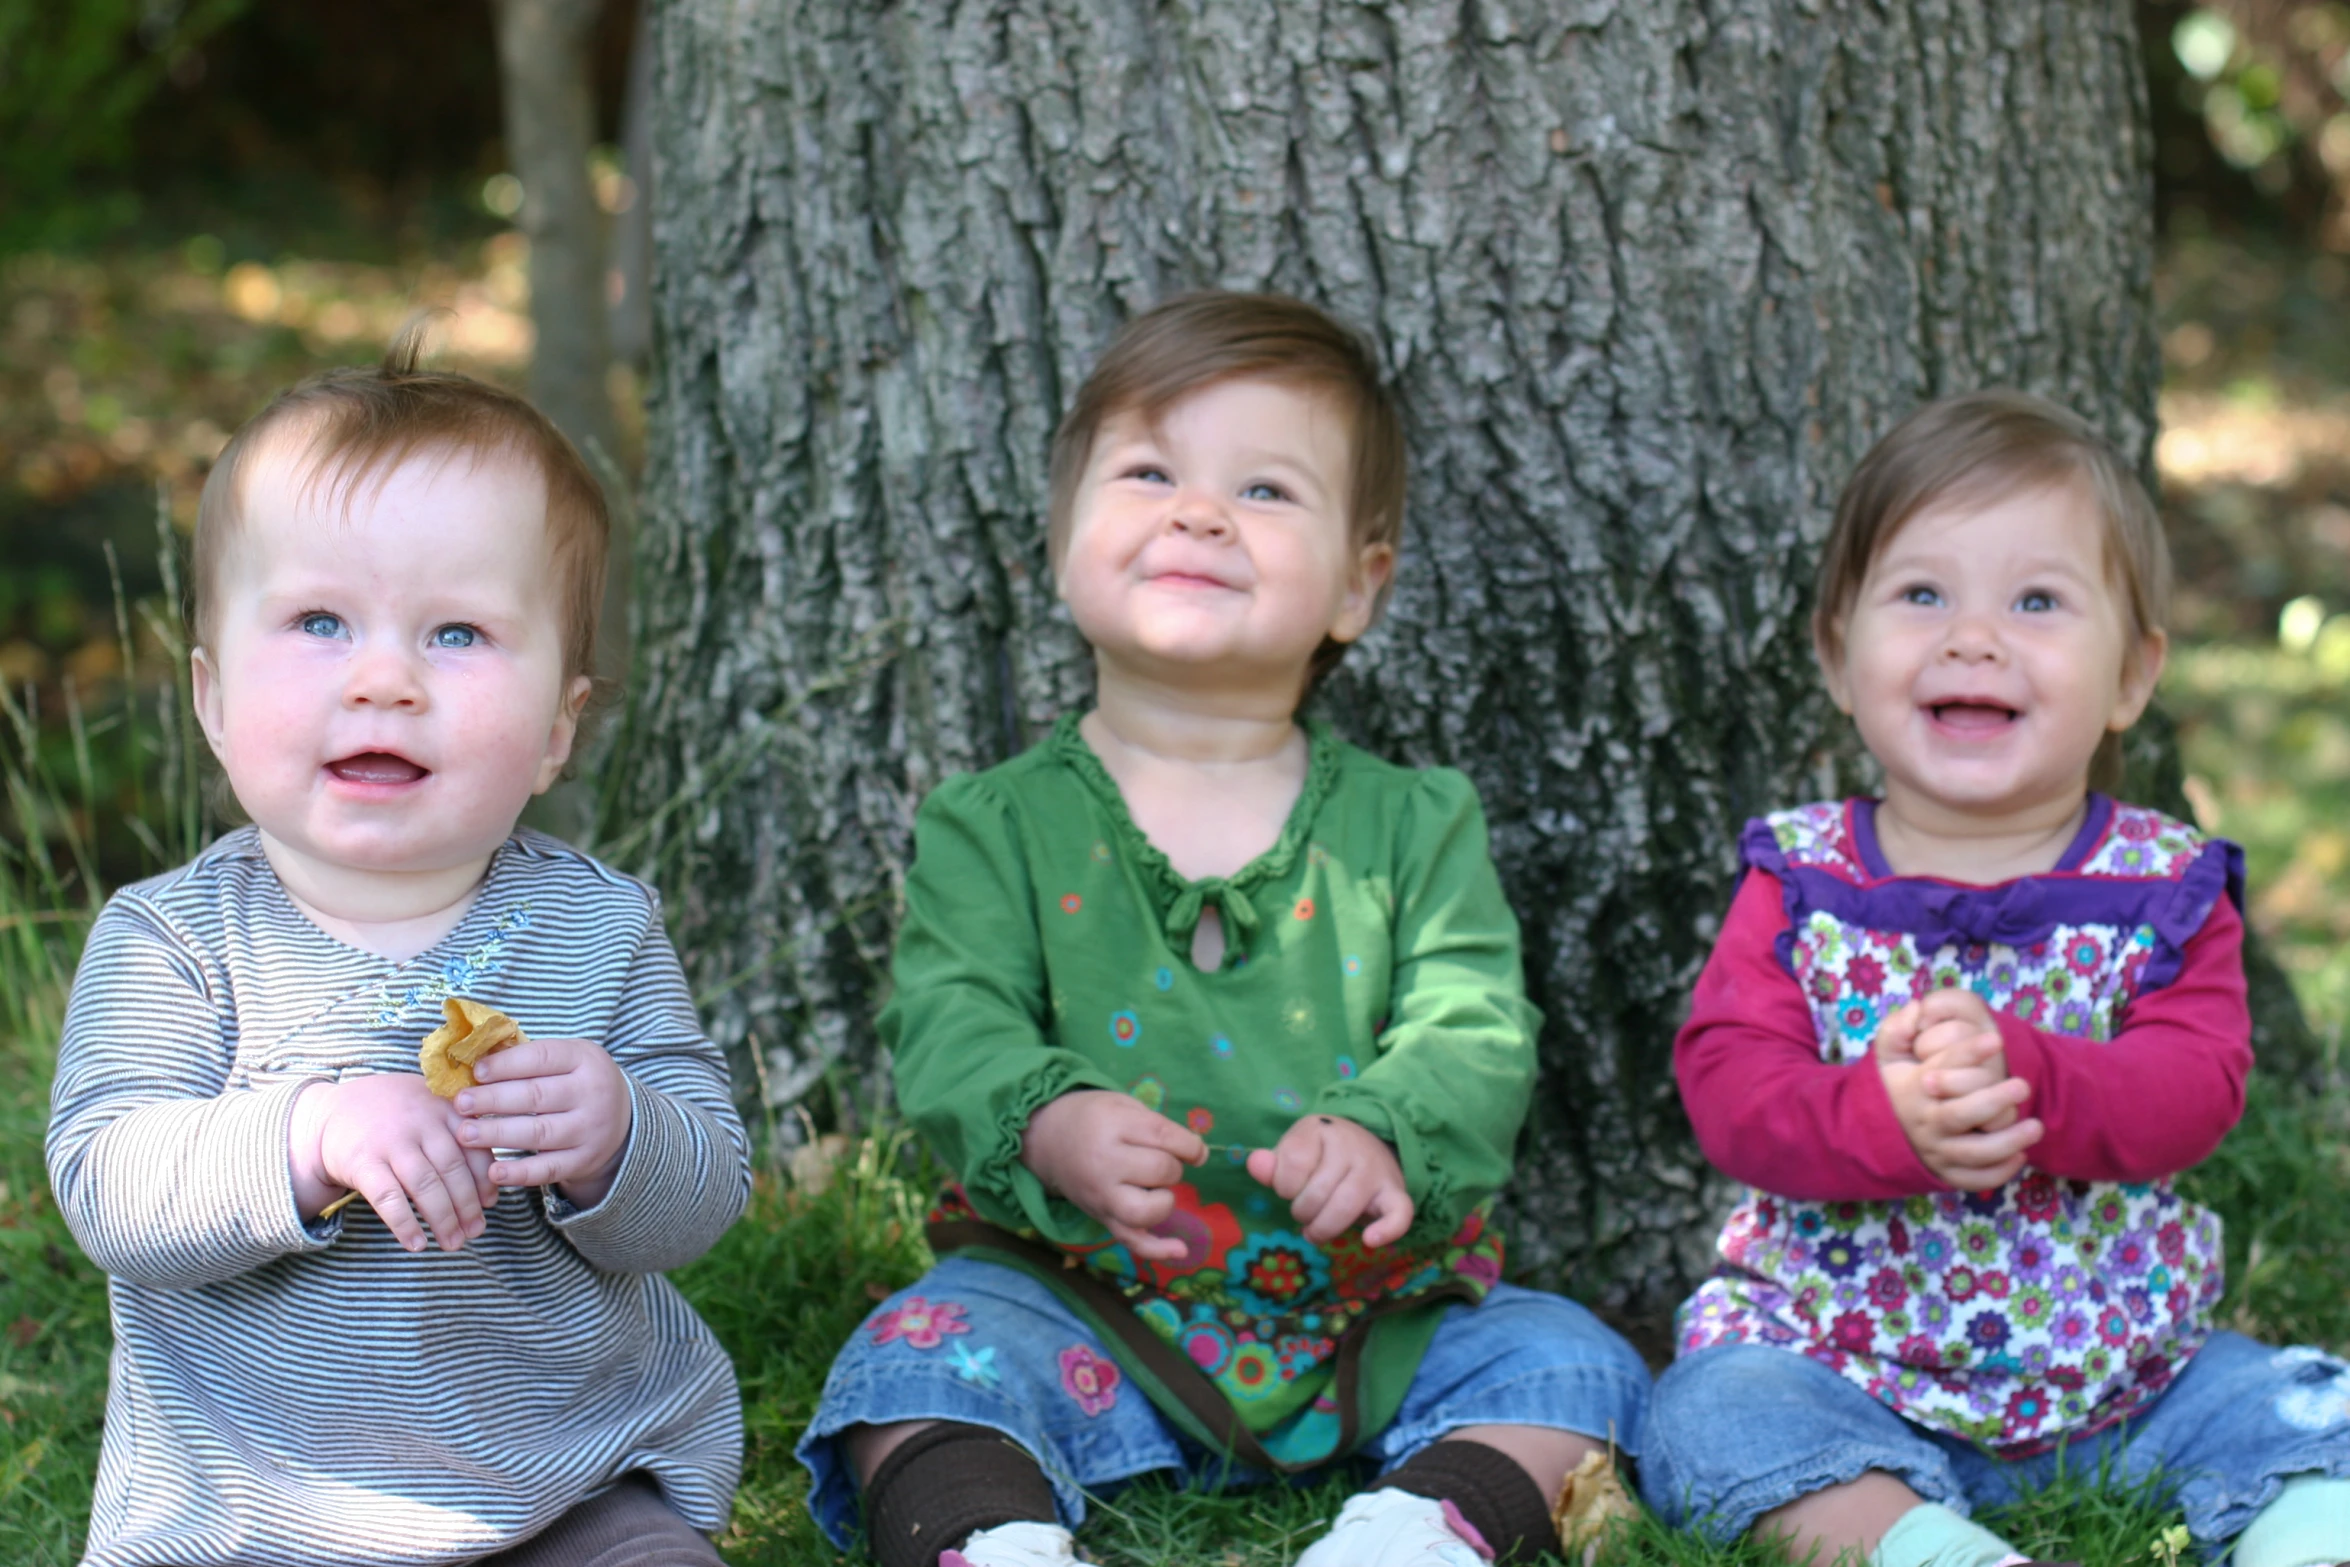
(2017, 913)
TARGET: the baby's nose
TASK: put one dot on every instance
(1202, 514)
(383, 677)
(1971, 637)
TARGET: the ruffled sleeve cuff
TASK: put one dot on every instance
(1000, 1184)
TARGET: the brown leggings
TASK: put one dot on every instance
(627, 1526)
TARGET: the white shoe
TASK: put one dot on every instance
(1015, 1545)
(1388, 1528)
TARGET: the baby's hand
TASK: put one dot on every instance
(390, 1140)
(1333, 1172)
(1959, 1047)
(1949, 1016)
(564, 1099)
(1972, 1141)
(1115, 1158)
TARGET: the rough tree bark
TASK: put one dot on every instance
(1650, 278)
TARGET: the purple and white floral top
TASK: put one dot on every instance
(2047, 1307)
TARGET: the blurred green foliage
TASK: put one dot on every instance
(2268, 82)
(73, 78)
(2265, 733)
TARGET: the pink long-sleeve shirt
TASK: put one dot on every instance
(2047, 1307)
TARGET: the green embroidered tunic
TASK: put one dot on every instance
(1371, 971)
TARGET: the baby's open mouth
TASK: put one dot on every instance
(376, 767)
(1972, 715)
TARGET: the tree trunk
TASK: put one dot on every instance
(1650, 279)
(550, 129)
(631, 314)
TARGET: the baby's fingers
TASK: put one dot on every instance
(1294, 1160)
(1177, 1142)
(1394, 1211)
(1956, 1043)
(1983, 1160)
(1975, 1111)
(531, 1058)
(1147, 1245)
(1953, 1004)
(1149, 1168)
(440, 1188)
(1133, 1217)
(1957, 1083)
(477, 1165)
(539, 1169)
(382, 1191)
(1331, 1175)
(546, 1131)
(1332, 1202)
(1897, 1036)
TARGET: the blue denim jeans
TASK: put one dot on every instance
(987, 1345)
(1736, 1431)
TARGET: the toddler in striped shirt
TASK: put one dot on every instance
(351, 1322)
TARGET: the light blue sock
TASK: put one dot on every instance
(1931, 1535)
(2308, 1525)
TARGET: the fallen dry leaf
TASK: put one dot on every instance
(1591, 1504)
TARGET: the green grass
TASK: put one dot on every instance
(53, 1333)
(2264, 732)
(788, 1284)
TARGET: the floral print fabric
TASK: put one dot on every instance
(2014, 1317)
(1259, 1313)
(1371, 971)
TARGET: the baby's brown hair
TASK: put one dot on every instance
(1192, 342)
(352, 425)
(1982, 447)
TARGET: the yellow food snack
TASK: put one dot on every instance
(473, 1031)
(449, 1051)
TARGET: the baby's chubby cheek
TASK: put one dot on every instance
(266, 745)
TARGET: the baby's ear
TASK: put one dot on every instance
(1827, 649)
(1374, 567)
(204, 680)
(2141, 672)
(564, 732)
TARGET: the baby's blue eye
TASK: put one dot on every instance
(454, 636)
(1921, 594)
(1262, 491)
(320, 624)
(1148, 473)
(2036, 602)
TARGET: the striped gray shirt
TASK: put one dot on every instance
(291, 1393)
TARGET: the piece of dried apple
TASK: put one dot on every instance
(471, 1032)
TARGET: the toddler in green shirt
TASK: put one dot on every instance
(1220, 1022)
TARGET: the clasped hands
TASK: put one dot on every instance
(1119, 1160)
(1945, 1069)
(421, 1161)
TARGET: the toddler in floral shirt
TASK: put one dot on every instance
(1959, 1039)
(1220, 1022)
